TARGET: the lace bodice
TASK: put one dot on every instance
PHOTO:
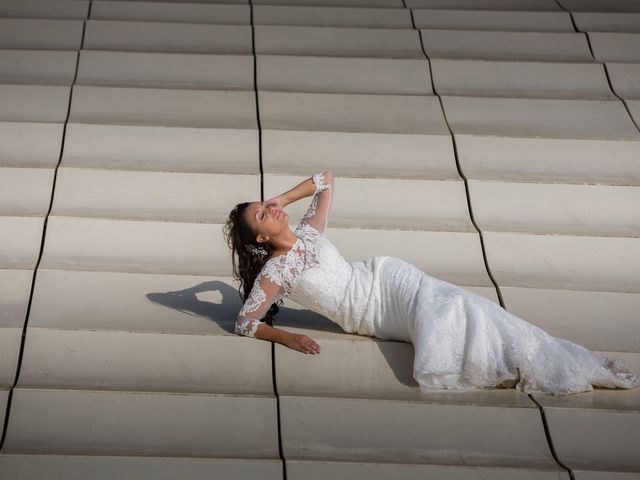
(278, 274)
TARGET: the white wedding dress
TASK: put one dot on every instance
(461, 340)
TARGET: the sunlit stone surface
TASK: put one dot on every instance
(493, 144)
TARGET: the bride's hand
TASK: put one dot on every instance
(277, 202)
(302, 343)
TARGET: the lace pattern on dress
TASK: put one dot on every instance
(318, 180)
(284, 269)
(247, 326)
(254, 301)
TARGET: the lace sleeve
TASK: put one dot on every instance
(263, 294)
(318, 212)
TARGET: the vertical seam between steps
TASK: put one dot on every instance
(604, 65)
(547, 433)
(42, 239)
(484, 254)
(273, 345)
(458, 167)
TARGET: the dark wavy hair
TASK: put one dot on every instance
(246, 266)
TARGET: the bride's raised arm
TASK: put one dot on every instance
(320, 186)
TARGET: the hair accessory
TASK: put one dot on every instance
(256, 251)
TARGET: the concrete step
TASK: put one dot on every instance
(326, 16)
(510, 19)
(104, 467)
(293, 73)
(54, 9)
(615, 47)
(510, 78)
(167, 37)
(337, 42)
(220, 14)
(328, 402)
(40, 34)
(607, 22)
(497, 45)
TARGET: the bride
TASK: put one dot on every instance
(461, 340)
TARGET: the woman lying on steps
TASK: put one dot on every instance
(461, 340)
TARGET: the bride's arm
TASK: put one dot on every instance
(321, 186)
(248, 322)
(302, 190)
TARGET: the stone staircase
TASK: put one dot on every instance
(492, 143)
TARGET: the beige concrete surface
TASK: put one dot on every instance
(561, 160)
(607, 22)
(387, 203)
(428, 156)
(614, 6)
(38, 67)
(564, 261)
(525, 5)
(604, 475)
(157, 148)
(341, 16)
(18, 33)
(634, 108)
(293, 73)
(550, 208)
(54, 9)
(20, 241)
(75, 467)
(455, 257)
(133, 246)
(171, 12)
(165, 70)
(169, 196)
(393, 114)
(18, 149)
(596, 431)
(34, 103)
(624, 79)
(338, 3)
(486, 78)
(133, 361)
(143, 423)
(102, 301)
(547, 118)
(496, 45)
(16, 286)
(131, 366)
(167, 37)
(180, 108)
(9, 354)
(493, 20)
(580, 316)
(317, 470)
(25, 191)
(4, 394)
(337, 42)
(615, 47)
(405, 430)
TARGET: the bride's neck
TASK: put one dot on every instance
(283, 242)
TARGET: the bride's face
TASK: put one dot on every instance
(266, 222)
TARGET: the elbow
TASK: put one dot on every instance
(328, 176)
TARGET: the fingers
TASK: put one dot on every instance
(309, 346)
(271, 201)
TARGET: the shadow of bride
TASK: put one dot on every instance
(226, 304)
(224, 311)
